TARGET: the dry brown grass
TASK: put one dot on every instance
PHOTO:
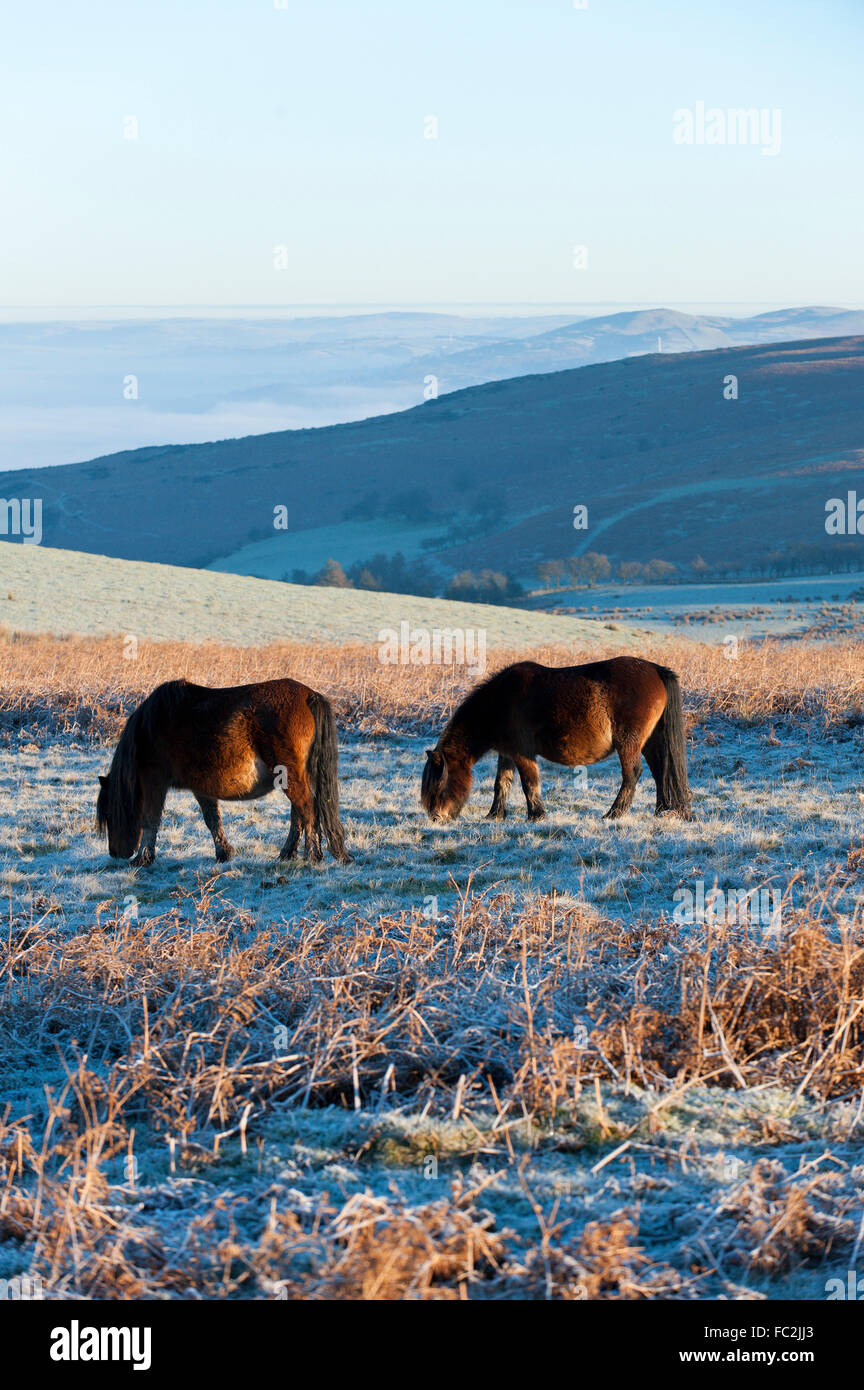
(186, 1011)
(773, 1224)
(606, 1261)
(377, 1249)
(85, 685)
(174, 1034)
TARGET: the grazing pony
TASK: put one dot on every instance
(573, 715)
(233, 744)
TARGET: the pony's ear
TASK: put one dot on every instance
(430, 752)
(103, 781)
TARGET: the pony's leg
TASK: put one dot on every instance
(213, 820)
(153, 803)
(503, 783)
(656, 768)
(630, 756)
(303, 816)
(312, 832)
(289, 849)
(529, 776)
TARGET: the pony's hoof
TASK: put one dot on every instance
(143, 859)
(496, 815)
(537, 814)
(346, 858)
(224, 854)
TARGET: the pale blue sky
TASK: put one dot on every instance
(303, 127)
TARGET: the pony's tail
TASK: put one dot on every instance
(666, 752)
(322, 768)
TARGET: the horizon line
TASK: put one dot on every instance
(412, 305)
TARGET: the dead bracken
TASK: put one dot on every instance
(446, 1043)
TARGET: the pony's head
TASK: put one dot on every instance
(118, 813)
(445, 786)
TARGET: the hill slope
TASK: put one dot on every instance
(632, 333)
(63, 384)
(66, 592)
(665, 464)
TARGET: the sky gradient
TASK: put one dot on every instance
(303, 127)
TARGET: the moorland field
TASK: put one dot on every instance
(486, 1060)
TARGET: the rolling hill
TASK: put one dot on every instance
(65, 385)
(66, 592)
(666, 464)
(632, 333)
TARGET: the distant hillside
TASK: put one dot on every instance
(71, 391)
(63, 384)
(460, 353)
(632, 333)
(667, 467)
(74, 390)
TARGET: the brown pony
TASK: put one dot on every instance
(573, 715)
(233, 744)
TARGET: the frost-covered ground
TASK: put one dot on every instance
(66, 591)
(772, 805)
(705, 1173)
(815, 607)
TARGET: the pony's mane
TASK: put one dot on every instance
(120, 801)
(473, 702)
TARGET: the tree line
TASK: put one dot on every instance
(826, 557)
(395, 575)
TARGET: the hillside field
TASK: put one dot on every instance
(68, 592)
